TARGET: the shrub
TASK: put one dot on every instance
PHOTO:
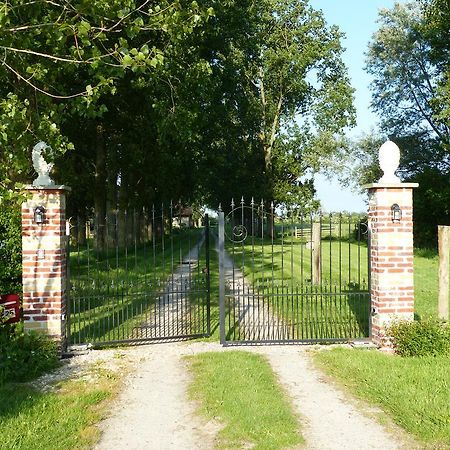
(10, 249)
(420, 338)
(24, 356)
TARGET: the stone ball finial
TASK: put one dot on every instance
(389, 159)
(41, 166)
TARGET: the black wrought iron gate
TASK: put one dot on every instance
(139, 276)
(288, 278)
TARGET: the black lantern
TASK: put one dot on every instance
(396, 213)
(39, 215)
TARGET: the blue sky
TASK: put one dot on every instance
(357, 19)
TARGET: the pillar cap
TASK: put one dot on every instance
(390, 185)
(52, 187)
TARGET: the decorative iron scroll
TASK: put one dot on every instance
(239, 233)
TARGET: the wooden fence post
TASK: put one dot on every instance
(444, 267)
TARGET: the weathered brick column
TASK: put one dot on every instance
(44, 261)
(391, 246)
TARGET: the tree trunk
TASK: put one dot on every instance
(100, 187)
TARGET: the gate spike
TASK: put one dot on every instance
(242, 201)
(252, 203)
(220, 207)
(232, 203)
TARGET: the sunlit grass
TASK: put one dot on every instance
(414, 391)
(240, 391)
(59, 420)
(280, 279)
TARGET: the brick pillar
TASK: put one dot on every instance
(44, 261)
(391, 257)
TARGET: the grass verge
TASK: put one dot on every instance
(415, 391)
(64, 418)
(240, 390)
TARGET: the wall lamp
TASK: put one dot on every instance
(39, 215)
(396, 213)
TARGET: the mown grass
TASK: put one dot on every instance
(426, 283)
(289, 262)
(59, 420)
(414, 391)
(115, 291)
(280, 272)
(240, 390)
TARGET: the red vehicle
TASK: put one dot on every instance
(11, 307)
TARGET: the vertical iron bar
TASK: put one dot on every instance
(222, 277)
(349, 250)
(208, 280)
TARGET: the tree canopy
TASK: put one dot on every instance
(143, 101)
(409, 61)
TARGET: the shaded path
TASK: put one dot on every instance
(172, 314)
(250, 315)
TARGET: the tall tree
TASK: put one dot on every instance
(63, 62)
(406, 85)
(279, 90)
(408, 59)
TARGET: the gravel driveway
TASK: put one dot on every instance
(153, 412)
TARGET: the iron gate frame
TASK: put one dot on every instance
(202, 295)
(225, 341)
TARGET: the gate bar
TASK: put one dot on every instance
(222, 276)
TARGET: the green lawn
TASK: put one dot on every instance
(59, 420)
(289, 262)
(414, 391)
(115, 291)
(426, 268)
(279, 272)
(240, 390)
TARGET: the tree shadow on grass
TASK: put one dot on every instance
(16, 398)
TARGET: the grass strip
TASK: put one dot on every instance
(415, 391)
(57, 420)
(240, 390)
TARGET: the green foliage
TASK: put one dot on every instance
(408, 60)
(63, 64)
(10, 249)
(285, 98)
(431, 206)
(420, 338)
(24, 356)
(201, 100)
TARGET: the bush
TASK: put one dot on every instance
(24, 356)
(10, 249)
(420, 338)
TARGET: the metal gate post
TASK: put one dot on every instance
(208, 280)
(222, 276)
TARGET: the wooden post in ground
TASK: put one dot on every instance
(444, 268)
(315, 239)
